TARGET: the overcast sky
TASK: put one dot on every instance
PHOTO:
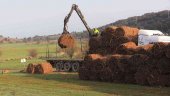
(24, 18)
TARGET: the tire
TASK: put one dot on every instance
(59, 66)
(67, 67)
(75, 67)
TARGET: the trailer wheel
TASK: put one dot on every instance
(62, 66)
(67, 67)
(58, 66)
(75, 67)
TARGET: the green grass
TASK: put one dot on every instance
(68, 84)
(16, 65)
(21, 50)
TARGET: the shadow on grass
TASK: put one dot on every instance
(109, 88)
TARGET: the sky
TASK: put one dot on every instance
(27, 18)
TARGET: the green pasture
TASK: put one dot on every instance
(68, 84)
(11, 53)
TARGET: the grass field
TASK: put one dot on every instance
(57, 84)
(21, 50)
(68, 84)
(12, 53)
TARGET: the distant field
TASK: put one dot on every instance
(21, 50)
(12, 53)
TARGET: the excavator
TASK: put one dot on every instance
(67, 41)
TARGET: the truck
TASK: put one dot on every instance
(151, 37)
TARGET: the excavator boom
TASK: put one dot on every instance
(75, 7)
(66, 40)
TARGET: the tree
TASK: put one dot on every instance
(33, 53)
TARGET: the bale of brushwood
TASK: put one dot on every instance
(109, 32)
(153, 77)
(158, 50)
(100, 51)
(126, 48)
(135, 61)
(120, 40)
(91, 57)
(66, 41)
(43, 68)
(94, 62)
(167, 52)
(126, 31)
(148, 73)
(95, 43)
(153, 72)
(107, 35)
(130, 50)
(130, 78)
(106, 74)
(142, 74)
(108, 41)
(145, 49)
(94, 75)
(30, 68)
(163, 65)
(84, 73)
(118, 65)
(164, 80)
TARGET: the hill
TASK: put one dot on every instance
(153, 21)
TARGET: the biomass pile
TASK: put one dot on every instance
(42, 68)
(115, 57)
(111, 38)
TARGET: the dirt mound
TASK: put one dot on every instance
(66, 41)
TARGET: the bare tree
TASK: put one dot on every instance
(33, 53)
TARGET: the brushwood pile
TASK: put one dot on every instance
(40, 68)
(115, 57)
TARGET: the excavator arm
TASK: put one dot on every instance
(75, 7)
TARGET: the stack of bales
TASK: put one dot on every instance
(42, 68)
(115, 57)
(111, 38)
(156, 69)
